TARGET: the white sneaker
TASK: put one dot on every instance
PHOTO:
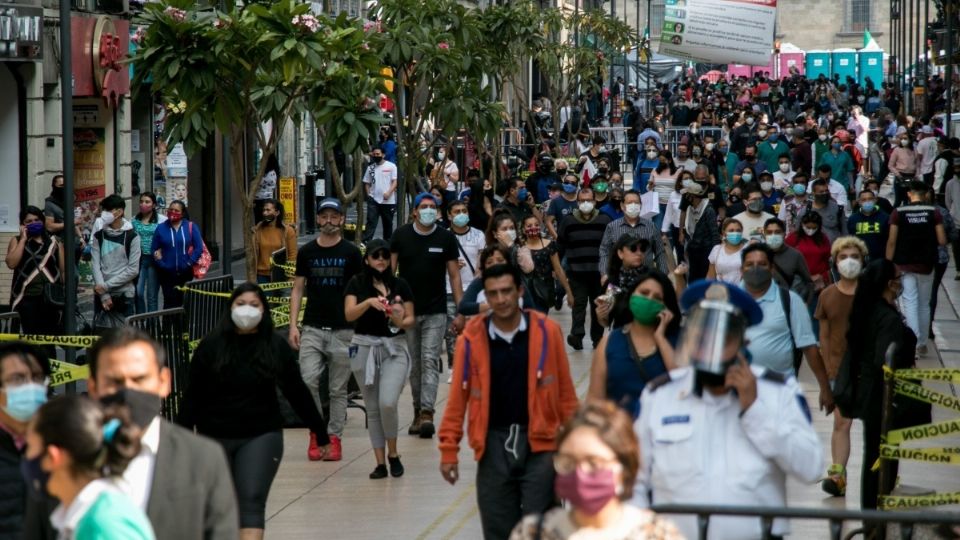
(450, 378)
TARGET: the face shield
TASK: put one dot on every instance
(712, 337)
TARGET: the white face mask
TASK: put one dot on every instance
(632, 209)
(904, 142)
(510, 235)
(710, 147)
(107, 218)
(441, 155)
(246, 317)
(810, 231)
(766, 186)
(749, 120)
(785, 167)
(775, 241)
(652, 155)
(586, 207)
(762, 133)
(694, 131)
(428, 216)
(849, 268)
(823, 136)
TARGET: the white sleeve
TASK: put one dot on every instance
(939, 169)
(641, 487)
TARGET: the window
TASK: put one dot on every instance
(656, 18)
(858, 15)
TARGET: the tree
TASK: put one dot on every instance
(236, 71)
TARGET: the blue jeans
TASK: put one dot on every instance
(148, 287)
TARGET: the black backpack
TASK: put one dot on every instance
(128, 236)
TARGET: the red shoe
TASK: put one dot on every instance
(335, 453)
(314, 452)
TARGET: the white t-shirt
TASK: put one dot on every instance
(752, 226)
(473, 241)
(927, 149)
(268, 186)
(726, 264)
(783, 180)
(380, 178)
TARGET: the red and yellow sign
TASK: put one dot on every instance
(89, 164)
(287, 187)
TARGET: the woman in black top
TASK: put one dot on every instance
(381, 305)
(231, 397)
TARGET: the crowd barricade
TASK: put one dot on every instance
(10, 323)
(168, 327)
(617, 144)
(906, 521)
(206, 303)
(672, 136)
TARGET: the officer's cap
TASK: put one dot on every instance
(725, 292)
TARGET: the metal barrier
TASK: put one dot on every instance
(277, 273)
(203, 310)
(10, 323)
(168, 328)
(672, 136)
(906, 520)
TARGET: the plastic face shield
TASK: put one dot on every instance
(712, 337)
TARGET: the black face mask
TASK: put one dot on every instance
(58, 193)
(144, 407)
(377, 159)
(705, 379)
(378, 275)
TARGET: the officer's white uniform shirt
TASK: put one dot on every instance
(700, 450)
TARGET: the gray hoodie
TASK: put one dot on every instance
(113, 267)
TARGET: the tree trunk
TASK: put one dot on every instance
(246, 198)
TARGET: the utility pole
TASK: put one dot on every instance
(69, 229)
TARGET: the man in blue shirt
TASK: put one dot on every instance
(647, 161)
(870, 224)
(772, 342)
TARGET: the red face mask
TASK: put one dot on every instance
(587, 492)
(174, 215)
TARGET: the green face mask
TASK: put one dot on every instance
(600, 187)
(645, 310)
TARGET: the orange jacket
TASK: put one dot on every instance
(550, 393)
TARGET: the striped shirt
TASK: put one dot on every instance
(581, 239)
(655, 257)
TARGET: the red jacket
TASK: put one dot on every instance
(552, 399)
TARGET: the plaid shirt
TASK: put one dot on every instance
(655, 256)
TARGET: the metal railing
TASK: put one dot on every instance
(168, 328)
(836, 518)
(10, 323)
(203, 310)
(672, 137)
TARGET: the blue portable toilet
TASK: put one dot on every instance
(844, 63)
(870, 64)
(817, 63)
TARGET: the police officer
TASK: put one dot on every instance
(719, 430)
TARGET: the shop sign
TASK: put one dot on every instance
(100, 47)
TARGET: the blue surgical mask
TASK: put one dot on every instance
(747, 177)
(461, 220)
(569, 188)
(734, 238)
(24, 400)
(799, 189)
(428, 216)
(773, 137)
(836, 146)
(868, 207)
(522, 194)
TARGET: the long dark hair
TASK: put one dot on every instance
(813, 217)
(34, 211)
(499, 216)
(869, 296)
(100, 441)
(229, 351)
(670, 163)
(153, 213)
(621, 306)
(367, 274)
(278, 206)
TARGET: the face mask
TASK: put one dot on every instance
(697, 152)
(144, 407)
(107, 218)
(904, 142)
(749, 120)
(868, 207)
(789, 131)
(774, 137)
(757, 278)
(35, 228)
(710, 146)
(784, 167)
(587, 492)
(586, 207)
(734, 238)
(569, 188)
(762, 133)
(645, 310)
(427, 216)
(146, 208)
(799, 189)
(724, 149)
(775, 241)
(601, 187)
(766, 186)
(810, 231)
(269, 219)
(632, 210)
(174, 215)
(822, 198)
(747, 177)
(694, 131)
(461, 220)
(734, 199)
(57, 193)
(849, 268)
(755, 206)
(651, 155)
(509, 235)
(522, 194)
(836, 146)
(35, 477)
(246, 317)
(377, 159)
(532, 231)
(24, 400)
(441, 155)
(822, 137)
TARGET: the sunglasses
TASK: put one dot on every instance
(383, 255)
(633, 248)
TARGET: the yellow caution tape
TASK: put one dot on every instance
(79, 342)
(276, 286)
(945, 456)
(925, 431)
(891, 502)
(205, 293)
(288, 269)
(63, 373)
(926, 395)
(945, 375)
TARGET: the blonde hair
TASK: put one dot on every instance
(846, 242)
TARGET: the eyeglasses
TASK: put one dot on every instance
(382, 255)
(566, 464)
(633, 248)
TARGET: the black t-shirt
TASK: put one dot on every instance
(373, 322)
(327, 270)
(422, 262)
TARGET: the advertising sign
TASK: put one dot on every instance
(288, 197)
(719, 31)
(89, 164)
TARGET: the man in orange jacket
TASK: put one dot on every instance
(511, 372)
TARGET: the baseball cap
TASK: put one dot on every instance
(425, 195)
(330, 203)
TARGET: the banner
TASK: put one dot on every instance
(89, 164)
(719, 31)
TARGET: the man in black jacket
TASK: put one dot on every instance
(180, 479)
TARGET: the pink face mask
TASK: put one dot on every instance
(587, 492)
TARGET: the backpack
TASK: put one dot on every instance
(127, 239)
(797, 353)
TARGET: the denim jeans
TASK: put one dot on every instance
(148, 287)
(450, 337)
(424, 341)
(320, 350)
(915, 303)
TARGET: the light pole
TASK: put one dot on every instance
(66, 121)
(649, 54)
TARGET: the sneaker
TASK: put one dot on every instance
(426, 425)
(379, 472)
(415, 425)
(577, 344)
(336, 450)
(314, 452)
(396, 468)
(836, 481)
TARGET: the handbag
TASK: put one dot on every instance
(202, 265)
(541, 289)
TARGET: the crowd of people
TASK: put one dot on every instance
(811, 226)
